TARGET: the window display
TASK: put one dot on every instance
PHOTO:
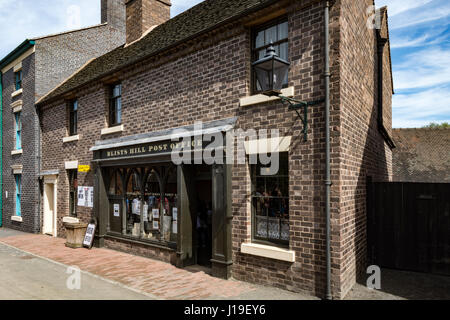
(150, 201)
(270, 198)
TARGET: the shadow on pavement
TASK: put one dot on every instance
(399, 285)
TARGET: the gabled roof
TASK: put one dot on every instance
(201, 18)
(384, 14)
(13, 55)
(422, 155)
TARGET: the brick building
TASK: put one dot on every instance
(28, 73)
(421, 155)
(230, 217)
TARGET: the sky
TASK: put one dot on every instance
(419, 35)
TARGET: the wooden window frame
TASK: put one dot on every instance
(18, 125)
(267, 241)
(18, 79)
(254, 50)
(112, 110)
(18, 181)
(73, 193)
(73, 117)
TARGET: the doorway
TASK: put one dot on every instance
(49, 210)
(202, 235)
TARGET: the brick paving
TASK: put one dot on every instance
(154, 277)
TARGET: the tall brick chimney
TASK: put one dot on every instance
(143, 14)
(114, 13)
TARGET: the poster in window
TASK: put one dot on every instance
(175, 227)
(175, 214)
(90, 197)
(81, 197)
(116, 210)
(145, 212)
(167, 223)
(155, 213)
(155, 225)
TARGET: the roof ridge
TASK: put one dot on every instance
(69, 31)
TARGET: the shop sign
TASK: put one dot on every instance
(155, 148)
(84, 168)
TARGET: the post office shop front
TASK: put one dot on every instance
(178, 213)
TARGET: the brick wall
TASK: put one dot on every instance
(114, 12)
(363, 150)
(59, 56)
(204, 82)
(143, 14)
(29, 159)
(56, 58)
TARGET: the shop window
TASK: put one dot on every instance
(115, 184)
(115, 106)
(270, 204)
(18, 131)
(276, 32)
(73, 185)
(18, 79)
(18, 179)
(133, 200)
(150, 198)
(73, 118)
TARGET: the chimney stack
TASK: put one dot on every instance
(144, 14)
(114, 13)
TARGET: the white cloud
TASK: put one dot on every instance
(420, 12)
(398, 6)
(426, 39)
(423, 69)
(420, 108)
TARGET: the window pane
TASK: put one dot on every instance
(259, 41)
(118, 117)
(283, 31)
(261, 54)
(271, 35)
(283, 51)
(271, 203)
(116, 91)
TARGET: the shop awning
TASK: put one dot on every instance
(174, 133)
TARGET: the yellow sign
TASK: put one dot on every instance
(84, 168)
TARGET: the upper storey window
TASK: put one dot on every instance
(115, 106)
(276, 33)
(73, 118)
(18, 79)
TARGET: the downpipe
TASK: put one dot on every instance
(328, 182)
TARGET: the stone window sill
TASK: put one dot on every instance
(71, 220)
(15, 152)
(111, 130)
(268, 252)
(16, 93)
(71, 138)
(260, 98)
(17, 219)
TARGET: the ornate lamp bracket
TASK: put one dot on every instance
(297, 105)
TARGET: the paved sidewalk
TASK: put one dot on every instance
(161, 280)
